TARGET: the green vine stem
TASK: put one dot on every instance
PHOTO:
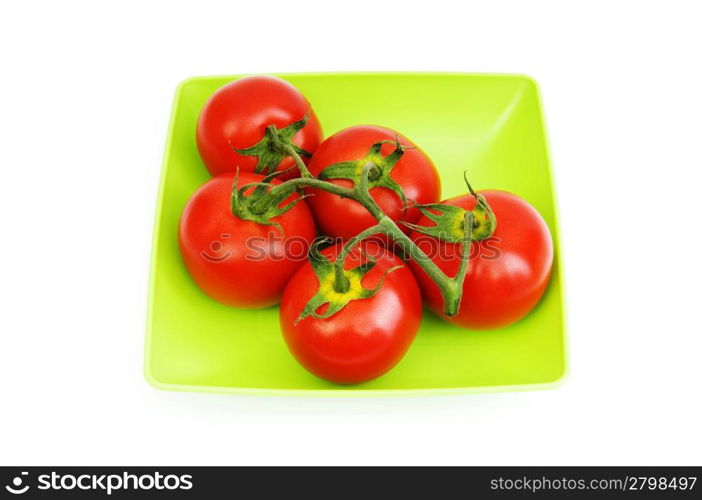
(451, 287)
(287, 147)
(341, 283)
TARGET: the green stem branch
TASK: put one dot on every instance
(451, 287)
(341, 282)
(288, 148)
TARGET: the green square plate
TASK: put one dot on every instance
(489, 125)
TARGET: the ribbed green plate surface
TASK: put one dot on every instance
(490, 125)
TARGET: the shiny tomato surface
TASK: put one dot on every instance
(368, 336)
(508, 273)
(238, 262)
(236, 116)
(414, 173)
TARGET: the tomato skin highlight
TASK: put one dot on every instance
(414, 172)
(213, 243)
(508, 273)
(237, 114)
(366, 338)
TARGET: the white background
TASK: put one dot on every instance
(85, 96)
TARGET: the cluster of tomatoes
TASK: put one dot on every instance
(351, 304)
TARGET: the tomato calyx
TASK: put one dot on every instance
(449, 220)
(275, 146)
(378, 168)
(246, 206)
(337, 289)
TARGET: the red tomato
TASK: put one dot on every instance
(236, 116)
(368, 336)
(414, 173)
(238, 262)
(507, 274)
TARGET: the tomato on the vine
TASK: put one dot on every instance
(359, 334)
(232, 127)
(237, 262)
(396, 167)
(507, 273)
